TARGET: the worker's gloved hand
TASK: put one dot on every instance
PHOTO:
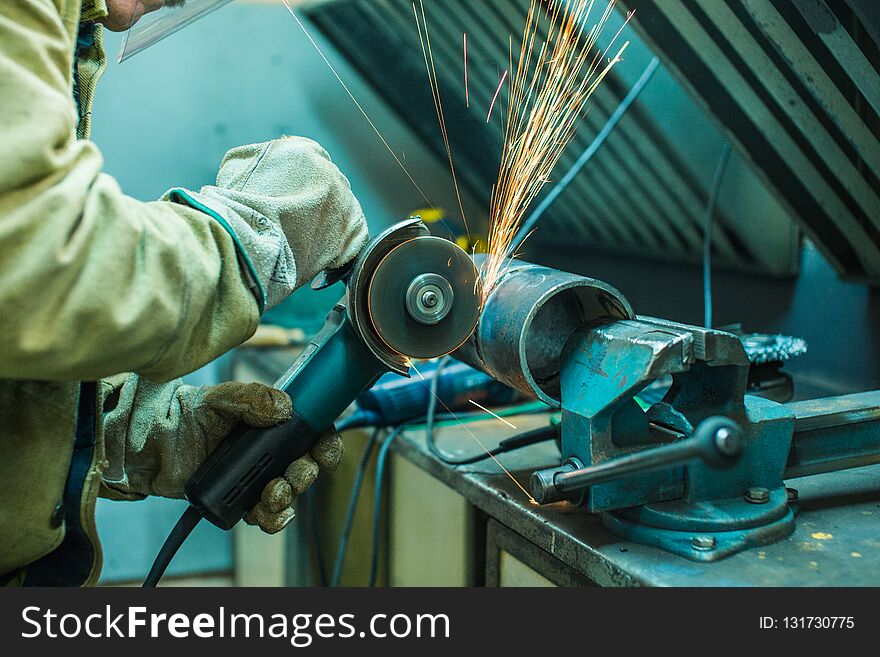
(275, 509)
(291, 209)
(157, 435)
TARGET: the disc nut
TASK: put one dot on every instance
(429, 298)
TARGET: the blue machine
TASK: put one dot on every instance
(394, 400)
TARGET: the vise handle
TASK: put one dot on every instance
(716, 440)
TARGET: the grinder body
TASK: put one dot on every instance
(334, 369)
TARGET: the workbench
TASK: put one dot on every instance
(836, 542)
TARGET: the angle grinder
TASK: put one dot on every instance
(408, 295)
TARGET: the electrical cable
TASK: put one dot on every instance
(451, 417)
(515, 442)
(507, 445)
(377, 501)
(585, 157)
(430, 418)
(182, 529)
(714, 192)
(533, 437)
(190, 518)
(430, 415)
(312, 505)
(352, 506)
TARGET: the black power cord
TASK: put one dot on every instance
(533, 437)
(178, 535)
(515, 442)
(357, 420)
(314, 524)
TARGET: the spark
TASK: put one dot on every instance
(355, 100)
(494, 458)
(495, 97)
(467, 96)
(428, 53)
(495, 415)
(480, 443)
(550, 90)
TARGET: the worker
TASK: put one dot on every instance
(126, 296)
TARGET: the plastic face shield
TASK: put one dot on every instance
(153, 20)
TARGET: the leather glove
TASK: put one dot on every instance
(290, 210)
(157, 435)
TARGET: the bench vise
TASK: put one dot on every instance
(700, 473)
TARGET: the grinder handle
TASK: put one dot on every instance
(333, 369)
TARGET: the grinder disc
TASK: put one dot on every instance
(424, 298)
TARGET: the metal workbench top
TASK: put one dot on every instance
(836, 542)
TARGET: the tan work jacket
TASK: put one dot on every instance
(92, 283)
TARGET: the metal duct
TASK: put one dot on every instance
(796, 83)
